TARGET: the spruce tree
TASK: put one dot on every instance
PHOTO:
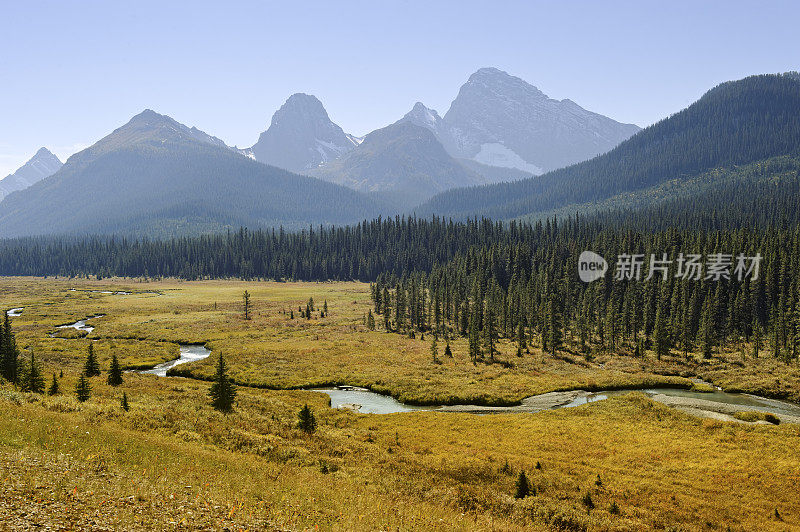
(91, 368)
(523, 487)
(8, 350)
(306, 420)
(124, 402)
(54, 388)
(222, 391)
(33, 382)
(114, 372)
(83, 390)
(246, 304)
(447, 351)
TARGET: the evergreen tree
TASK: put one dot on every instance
(246, 304)
(522, 487)
(54, 388)
(124, 402)
(370, 321)
(222, 392)
(33, 381)
(661, 328)
(707, 338)
(306, 420)
(114, 372)
(83, 389)
(447, 351)
(91, 368)
(8, 350)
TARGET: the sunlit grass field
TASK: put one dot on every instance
(173, 462)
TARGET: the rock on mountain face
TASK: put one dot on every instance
(302, 136)
(500, 120)
(403, 161)
(41, 165)
(156, 177)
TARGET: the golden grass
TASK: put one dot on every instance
(274, 351)
(172, 457)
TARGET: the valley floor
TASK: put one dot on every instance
(172, 462)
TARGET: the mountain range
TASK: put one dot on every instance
(43, 164)
(499, 128)
(157, 177)
(736, 123)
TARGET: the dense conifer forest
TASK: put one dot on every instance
(487, 280)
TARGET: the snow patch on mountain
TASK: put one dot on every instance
(495, 154)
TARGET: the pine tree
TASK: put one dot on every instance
(435, 350)
(54, 388)
(91, 368)
(83, 390)
(114, 372)
(246, 304)
(33, 382)
(523, 487)
(8, 350)
(370, 321)
(222, 392)
(661, 330)
(555, 335)
(447, 351)
(306, 420)
(124, 402)
(706, 332)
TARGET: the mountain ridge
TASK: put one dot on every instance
(43, 164)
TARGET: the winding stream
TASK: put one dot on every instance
(189, 353)
(80, 325)
(716, 404)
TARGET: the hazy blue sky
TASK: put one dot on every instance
(70, 72)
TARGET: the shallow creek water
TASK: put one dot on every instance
(367, 402)
(189, 353)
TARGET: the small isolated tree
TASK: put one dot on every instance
(222, 391)
(588, 502)
(447, 351)
(246, 300)
(115, 372)
(83, 390)
(435, 350)
(370, 321)
(325, 307)
(33, 382)
(92, 367)
(306, 420)
(54, 388)
(523, 487)
(124, 402)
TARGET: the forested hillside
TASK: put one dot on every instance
(736, 123)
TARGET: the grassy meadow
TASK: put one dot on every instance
(173, 462)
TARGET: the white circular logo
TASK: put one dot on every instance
(591, 266)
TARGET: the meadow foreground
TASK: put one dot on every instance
(172, 461)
